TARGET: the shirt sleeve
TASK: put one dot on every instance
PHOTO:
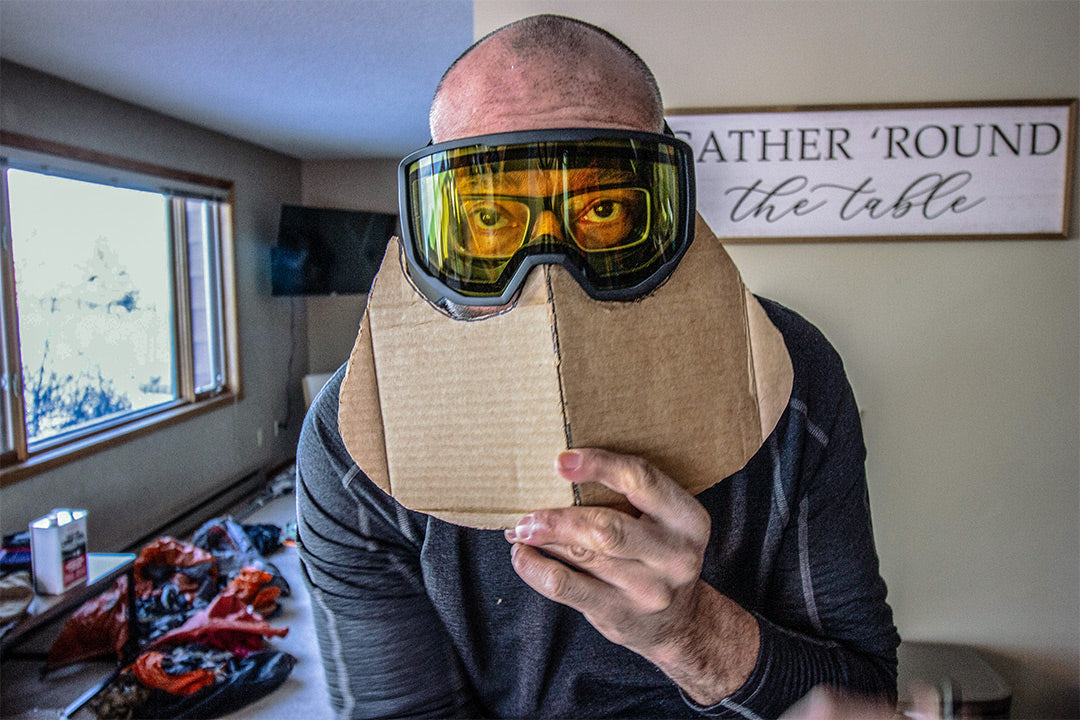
(825, 619)
(378, 632)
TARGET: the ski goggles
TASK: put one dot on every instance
(613, 207)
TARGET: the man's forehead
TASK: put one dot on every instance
(494, 89)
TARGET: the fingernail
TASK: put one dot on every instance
(569, 460)
(524, 529)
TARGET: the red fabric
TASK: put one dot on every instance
(149, 668)
(249, 584)
(98, 627)
(225, 624)
(169, 552)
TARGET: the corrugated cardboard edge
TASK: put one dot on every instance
(480, 521)
(360, 412)
(770, 365)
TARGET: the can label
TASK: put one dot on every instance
(58, 551)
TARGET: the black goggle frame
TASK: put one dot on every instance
(435, 289)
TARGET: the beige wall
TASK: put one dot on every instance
(963, 356)
(134, 487)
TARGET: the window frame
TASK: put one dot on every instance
(27, 152)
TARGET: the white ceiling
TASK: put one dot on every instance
(310, 78)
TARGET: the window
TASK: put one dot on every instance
(117, 298)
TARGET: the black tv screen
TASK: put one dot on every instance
(324, 251)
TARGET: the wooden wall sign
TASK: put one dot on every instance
(965, 170)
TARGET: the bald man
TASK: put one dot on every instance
(735, 602)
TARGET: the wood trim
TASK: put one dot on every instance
(111, 437)
(181, 290)
(922, 105)
(48, 147)
(229, 300)
(10, 365)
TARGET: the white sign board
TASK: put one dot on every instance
(962, 170)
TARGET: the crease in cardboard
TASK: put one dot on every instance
(567, 430)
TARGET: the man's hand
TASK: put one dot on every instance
(637, 579)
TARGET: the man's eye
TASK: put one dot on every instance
(489, 218)
(604, 211)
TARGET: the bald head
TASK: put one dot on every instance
(545, 71)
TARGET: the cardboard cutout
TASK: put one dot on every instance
(464, 419)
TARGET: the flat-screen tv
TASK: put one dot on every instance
(324, 251)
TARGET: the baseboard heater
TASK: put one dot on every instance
(187, 522)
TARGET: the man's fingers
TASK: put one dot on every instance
(585, 534)
(597, 559)
(647, 488)
(606, 604)
(611, 545)
(635, 578)
(627, 574)
(556, 581)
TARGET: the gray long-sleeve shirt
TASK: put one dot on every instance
(416, 616)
